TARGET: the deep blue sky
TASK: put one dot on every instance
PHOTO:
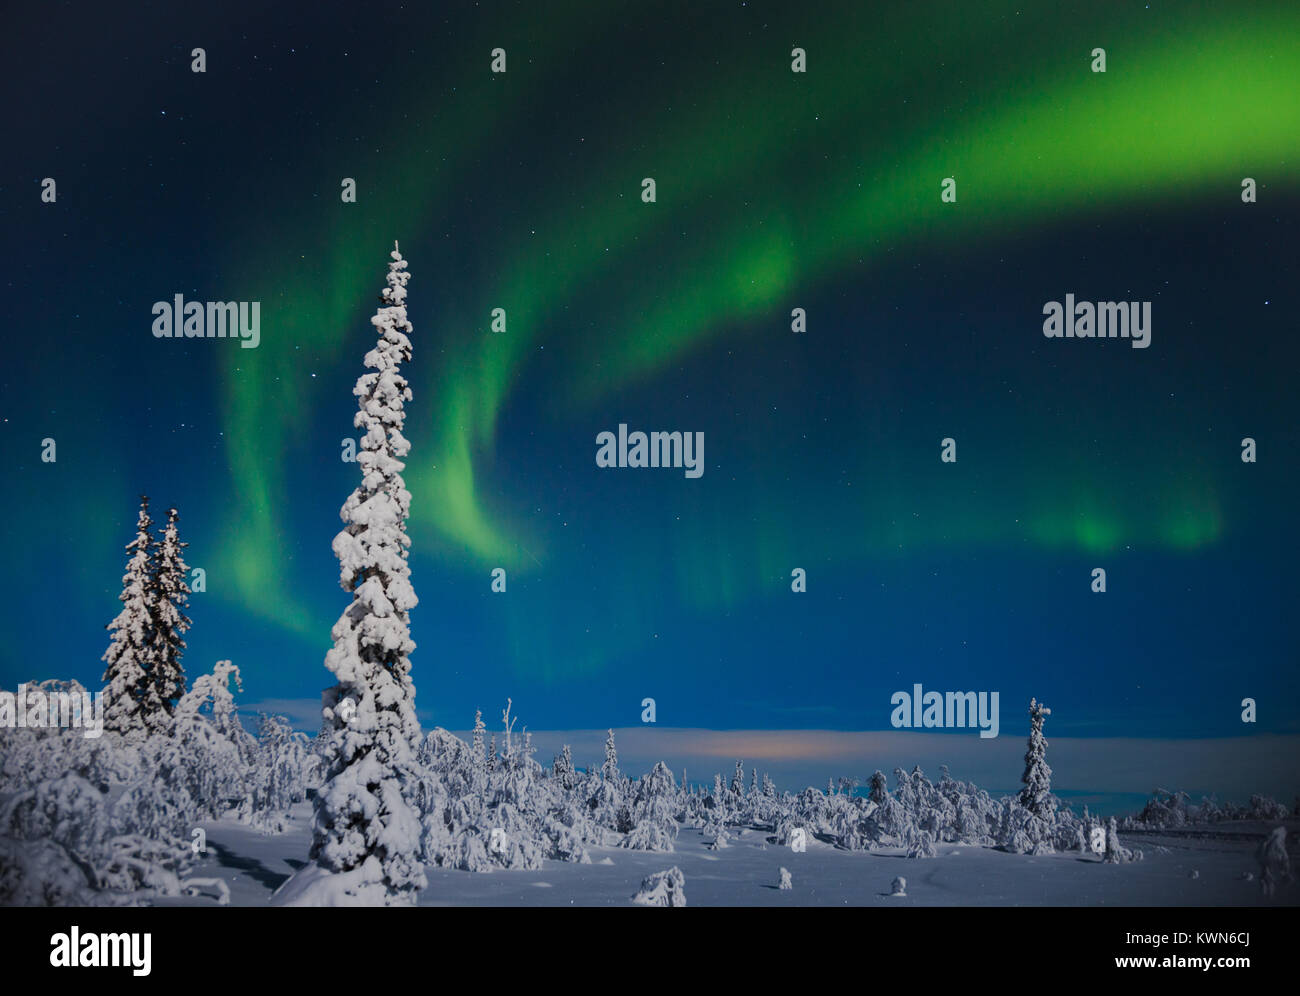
(822, 450)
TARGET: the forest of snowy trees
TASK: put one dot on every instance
(116, 818)
(112, 820)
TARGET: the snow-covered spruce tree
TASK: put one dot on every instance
(562, 769)
(654, 826)
(739, 807)
(607, 803)
(479, 755)
(738, 782)
(1029, 823)
(879, 789)
(280, 775)
(609, 770)
(129, 694)
(1117, 853)
(1037, 796)
(170, 622)
(367, 837)
(890, 818)
(716, 827)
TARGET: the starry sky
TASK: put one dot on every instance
(775, 190)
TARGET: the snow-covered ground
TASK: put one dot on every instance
(746, 873)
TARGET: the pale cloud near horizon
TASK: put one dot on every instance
(1232, 767)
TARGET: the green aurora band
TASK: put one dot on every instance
(1030, 143)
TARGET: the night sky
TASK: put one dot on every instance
(775, 190)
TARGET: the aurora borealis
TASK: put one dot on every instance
(774, 190)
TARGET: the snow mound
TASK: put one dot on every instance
(313, 885)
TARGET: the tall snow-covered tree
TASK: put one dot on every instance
(718, 814)
(508, 756)
(170, 622)
(609, 770)
(129, 694)
(477, 754)
(366, 840)
(1037, 796)
(879, 788)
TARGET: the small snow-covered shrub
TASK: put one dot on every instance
(665, 888)
(653, 824)
(278, 778)
(1274, 862)
(1167, 809)
(921, 845)
(42, 873)
(1116, 853)
(784, 827)
(138, 863)
(1022, 832)
(1264, 808)
(67, 810)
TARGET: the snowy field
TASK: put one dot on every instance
(746, 873)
